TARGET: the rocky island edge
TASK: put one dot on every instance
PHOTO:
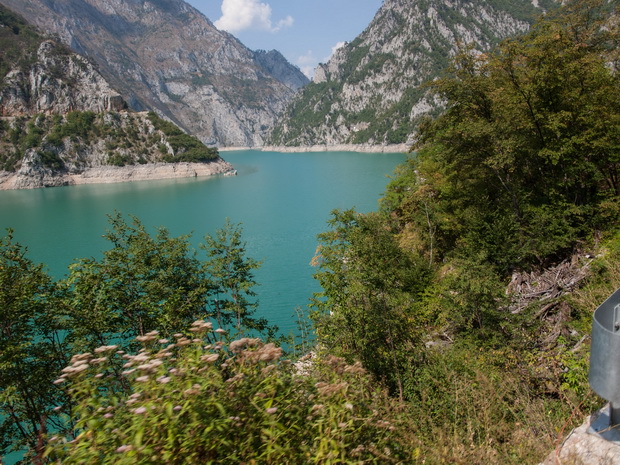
(115, 174)
(361, 148)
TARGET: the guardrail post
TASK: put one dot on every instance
(604, 375)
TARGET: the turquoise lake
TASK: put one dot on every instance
(282, 200)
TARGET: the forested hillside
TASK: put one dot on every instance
(452, 325)
(470, 293)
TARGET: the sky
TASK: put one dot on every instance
(306, 32)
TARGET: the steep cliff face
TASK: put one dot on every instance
(165, 55)
(61, 120)
(53, 150)
(38, 75)
(369, 91)
(57, 81)
(278, 66)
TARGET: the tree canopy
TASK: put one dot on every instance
(142, 283)
(524, 162)
(513, 180)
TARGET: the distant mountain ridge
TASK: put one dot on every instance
(369, 92)
(165, 55)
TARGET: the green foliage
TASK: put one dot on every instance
(190, 403)
(200, 80)
(185, 148)
(146, 283)
(117, 159)
(18, 42)
(143, 283)
(79, 124)
(167, 127)
(46, 135)
(369, 283)
(33, 136)
(309, 110)
(518, 173)
(520, 163)
(62, 138)
(232, 278)
(31, 350)
(604, 280)
(50, 159)
(470, 296)
(476, 406)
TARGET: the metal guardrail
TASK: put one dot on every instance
(604, 375)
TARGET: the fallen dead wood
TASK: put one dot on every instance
(527, 288)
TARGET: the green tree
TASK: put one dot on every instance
(365, 310)
(143, 283)
(32, 350)
(157, 282)
(524, 162)
(232, 275)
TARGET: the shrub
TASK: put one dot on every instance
(50, 160)
(199, 400)
(186, 148)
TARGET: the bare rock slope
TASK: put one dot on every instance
(58, 81)
(62, 123)
(166, 56)
(370, 90)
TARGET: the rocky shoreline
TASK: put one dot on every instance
(32, 179)
(362, 148)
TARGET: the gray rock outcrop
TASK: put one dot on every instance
(61, 123)
(109, 147)
(34, 176)
(370, 91)
(166, 56)
(584, 448)
(57, 82)
(274, 62)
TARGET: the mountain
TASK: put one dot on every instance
(274, 62)
(62, 121)
(166, 56)
(371, 90)
(43, 76)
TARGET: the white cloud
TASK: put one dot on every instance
(336, 47)
(284, 23)
(307, 63)
(239, 15)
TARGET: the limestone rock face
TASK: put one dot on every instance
(369, 91)
(62, 123)
(115, 147)
(584, 447)
(58, 81)
(32, 176)
(274, 62)
(167, 56)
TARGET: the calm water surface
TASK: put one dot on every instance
(282, 200)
